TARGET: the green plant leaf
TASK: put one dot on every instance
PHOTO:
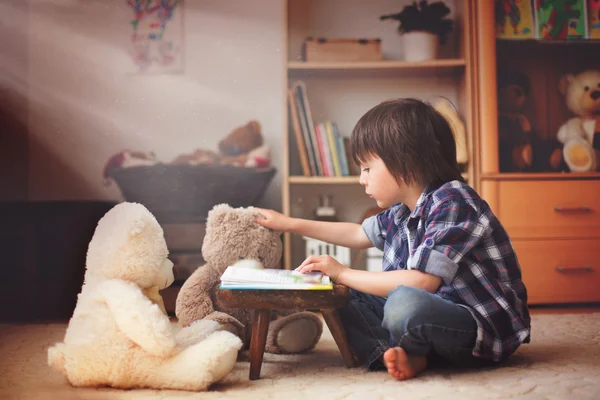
(423, 16)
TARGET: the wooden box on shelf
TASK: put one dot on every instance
(341, 49)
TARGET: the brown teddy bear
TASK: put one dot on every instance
(232, 235)
(243, 147)
(520, 149)
(241, 140)
(514, 128)
(580, 135)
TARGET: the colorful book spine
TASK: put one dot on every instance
(514, 19)
(333, 149)
(297, 130)
(593, 19)
(561, 20)
(301, 87)
(323, 149)
(341, 150)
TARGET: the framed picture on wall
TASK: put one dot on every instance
(155, 36)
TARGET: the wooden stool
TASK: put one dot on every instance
(261, 302)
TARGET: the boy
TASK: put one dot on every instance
(451, 287)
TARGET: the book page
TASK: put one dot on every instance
(241, 275)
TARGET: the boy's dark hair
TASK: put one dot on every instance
(415, 141)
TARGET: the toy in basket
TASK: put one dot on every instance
(185, 189)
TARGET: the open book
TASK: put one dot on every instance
(249, 278)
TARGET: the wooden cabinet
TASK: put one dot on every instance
(553, 218)
(343, 91)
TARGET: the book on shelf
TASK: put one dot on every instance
(242, 278)
(561, 22)
(321, 147)
(547, 20)
(514, 20)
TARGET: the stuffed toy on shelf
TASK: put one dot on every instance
(242, 147)
(580, 135)
(520, 148)
(232, 237)
(119, 334)
(515, 135)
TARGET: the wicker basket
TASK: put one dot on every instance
(186, 193)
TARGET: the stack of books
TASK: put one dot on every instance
(322, 149)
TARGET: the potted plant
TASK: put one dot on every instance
(422, 26)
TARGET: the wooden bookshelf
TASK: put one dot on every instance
(342, 91)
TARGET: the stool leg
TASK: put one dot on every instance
(260, 326)
(333, 321)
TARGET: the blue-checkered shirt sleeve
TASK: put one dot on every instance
(453, 229)
(376, 226)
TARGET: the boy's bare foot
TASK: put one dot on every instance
(402, 366)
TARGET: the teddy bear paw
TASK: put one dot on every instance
(296, 333)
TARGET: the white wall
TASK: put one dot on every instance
(85, 105)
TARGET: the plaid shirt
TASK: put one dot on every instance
(452, 233)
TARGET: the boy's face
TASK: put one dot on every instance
(379, 183)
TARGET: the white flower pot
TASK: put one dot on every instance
(419, 46)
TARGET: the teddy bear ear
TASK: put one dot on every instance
(218, 213)
(565, 81)
(254, 125)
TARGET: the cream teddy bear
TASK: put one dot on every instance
(117, 336)
(234, 237)
(581, 134)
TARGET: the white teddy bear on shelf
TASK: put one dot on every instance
(118, 336)
(581, 133)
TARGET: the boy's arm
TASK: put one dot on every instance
(345, 234)
(381, 283)
(339, 233)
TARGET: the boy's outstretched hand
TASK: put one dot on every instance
(272, 220)
(324, 263)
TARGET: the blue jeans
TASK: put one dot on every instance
(421, 323)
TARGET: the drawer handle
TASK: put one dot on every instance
(585, 268)
(582, 209)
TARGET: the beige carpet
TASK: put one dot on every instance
(562, 362)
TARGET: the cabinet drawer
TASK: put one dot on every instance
(560, 271)
(550, 209)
